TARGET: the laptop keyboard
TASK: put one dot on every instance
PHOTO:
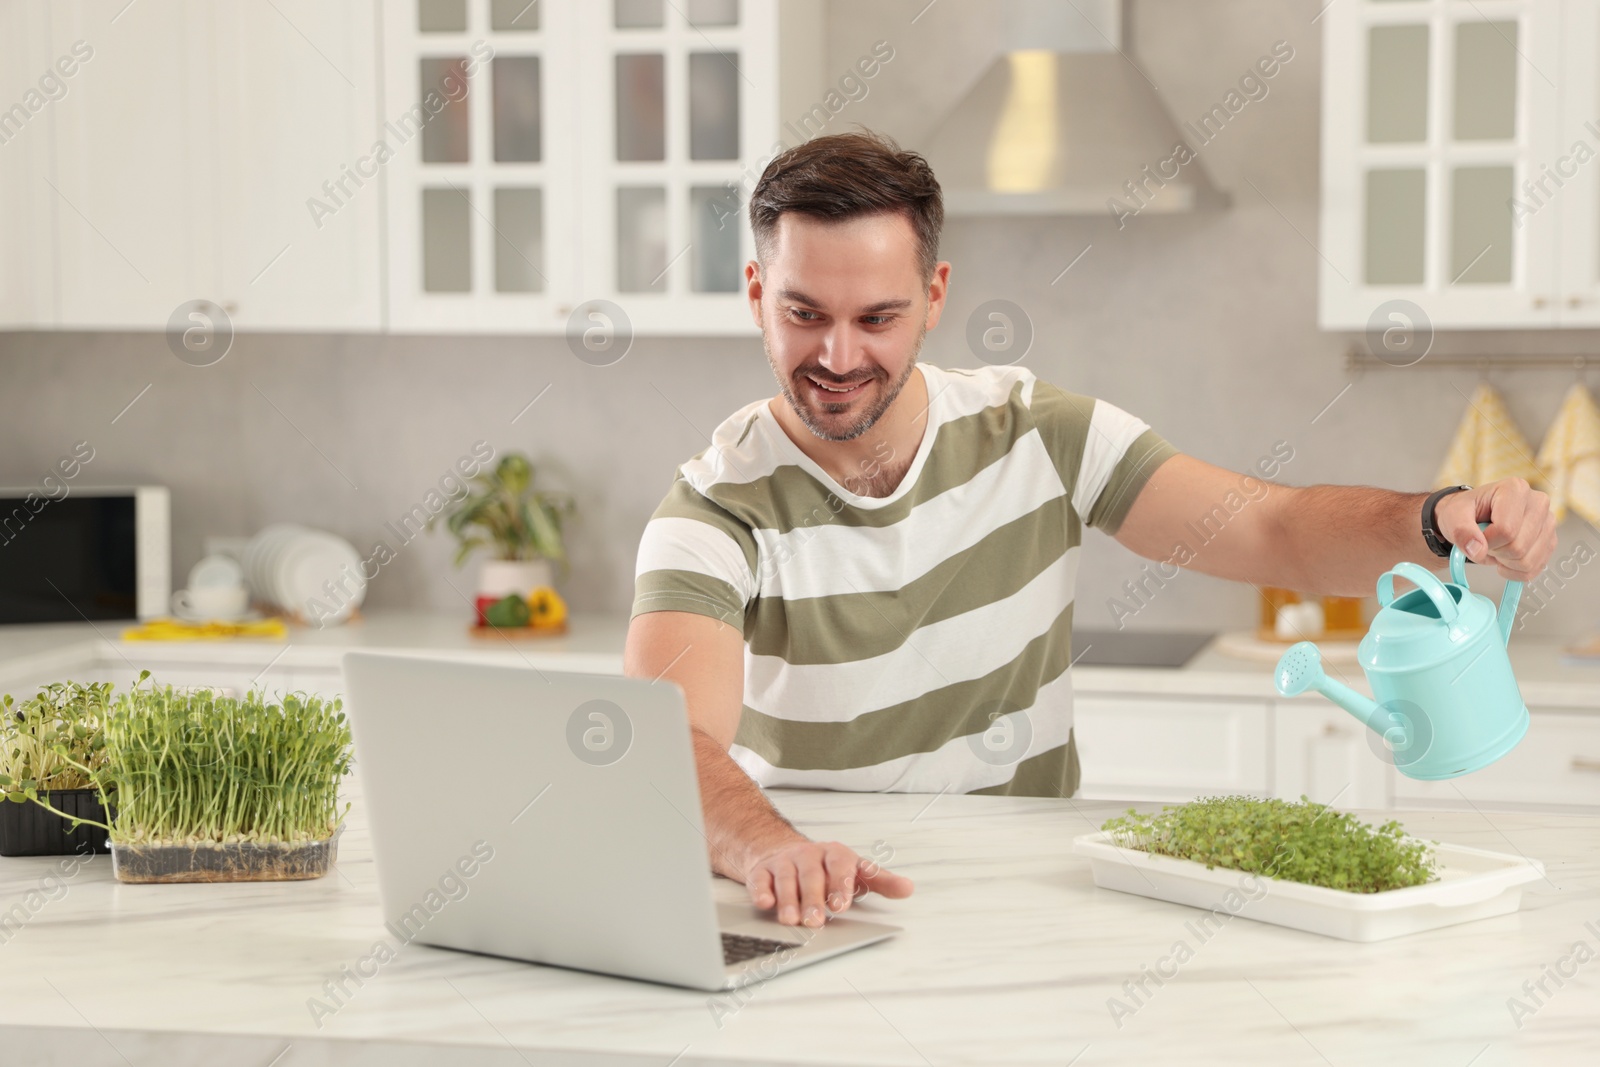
(736, 948)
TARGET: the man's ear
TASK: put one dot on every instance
(752, 289)
(938, 287)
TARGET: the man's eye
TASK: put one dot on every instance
(803, 315)
(877, 320)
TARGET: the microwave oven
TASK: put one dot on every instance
(89, 554)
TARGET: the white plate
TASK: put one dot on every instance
(258, 556)
(315, 561)
(1473, 884)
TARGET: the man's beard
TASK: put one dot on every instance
(867, 419)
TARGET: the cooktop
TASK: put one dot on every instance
(1136, 648)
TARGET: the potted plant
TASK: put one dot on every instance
(520, 524)
(51, 747)
(214, 788)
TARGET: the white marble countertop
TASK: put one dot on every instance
(594, 643)
(1010, 955)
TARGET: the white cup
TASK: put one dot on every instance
(1299, 621)
(212, 601)
(214, 571)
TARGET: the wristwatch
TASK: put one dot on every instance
(1430, 532)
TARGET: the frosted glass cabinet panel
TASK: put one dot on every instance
(519, 240)
(1486, 81)
(1396, 198)
(1436, 113)
(641, 107)
(1397, 84)
(516, 109)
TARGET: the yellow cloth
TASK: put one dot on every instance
(167, 629)
(1570, 457)
(1487, 446)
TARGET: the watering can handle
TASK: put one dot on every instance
(1423, 579)
(1458, 563)
(1508, 599)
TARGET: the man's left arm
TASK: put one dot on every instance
(1332, 540)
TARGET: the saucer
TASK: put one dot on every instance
(248, 615)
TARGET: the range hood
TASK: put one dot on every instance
(1062, 122)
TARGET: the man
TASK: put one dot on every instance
(866, 581)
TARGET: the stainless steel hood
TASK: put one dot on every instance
(1062, 122)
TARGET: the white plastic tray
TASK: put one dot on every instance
(1473, 884)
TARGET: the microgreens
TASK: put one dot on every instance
(194, 767)
(1296, 841)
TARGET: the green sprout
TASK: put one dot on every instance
(54, 740)
(191, 767)
(1295, 841)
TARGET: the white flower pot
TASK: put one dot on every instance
(501, 577)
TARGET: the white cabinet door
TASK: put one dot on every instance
(1557, 765)
(190, 153)
(298, 201)
(479, 103)
(1435, 113)
(576, 167)
(31, 84)
(680, 124)
(1568, 182)
(1322, 753)
(1163, 748)
(134, 165)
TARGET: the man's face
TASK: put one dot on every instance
(843, 306)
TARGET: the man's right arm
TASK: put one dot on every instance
(748, 840)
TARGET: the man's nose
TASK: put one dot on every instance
(842, 354)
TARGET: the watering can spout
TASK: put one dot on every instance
(1300, 668)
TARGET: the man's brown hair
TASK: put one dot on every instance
(845, 176)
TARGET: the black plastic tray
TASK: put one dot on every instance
(26, 829)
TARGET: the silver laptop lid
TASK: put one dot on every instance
(539, 815)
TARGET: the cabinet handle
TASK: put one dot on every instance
(1577, 301)
(1539, 301)
(1583, 763)
(1330, 730)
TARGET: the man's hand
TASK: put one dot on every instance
(1520, 537)
(802, 878)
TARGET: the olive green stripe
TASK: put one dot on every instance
(922, 724)
(683, 501)
(846, 627)
(1049, 774)
(1063, 418)
(677, 590)
(1147, 452)
(790, 498)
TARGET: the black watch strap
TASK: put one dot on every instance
(1430, 531)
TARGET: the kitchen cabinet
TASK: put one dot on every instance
(1321, 752)
(30, 87)
(188, 156)
(1456, 143)
(1174, 749)
(1555, 767)
(581, 167)
(416, 165)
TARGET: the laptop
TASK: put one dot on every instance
(554, 817)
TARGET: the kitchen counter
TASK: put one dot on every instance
(1010, 955)
(594, 643)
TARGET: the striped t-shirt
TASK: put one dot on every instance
(917, 642)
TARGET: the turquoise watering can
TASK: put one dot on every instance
(1447, 703)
